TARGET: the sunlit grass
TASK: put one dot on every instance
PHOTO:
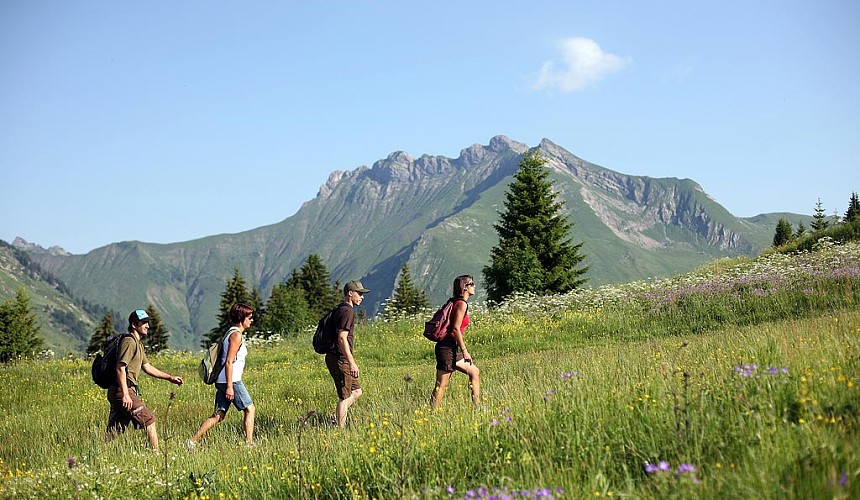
(739, 380)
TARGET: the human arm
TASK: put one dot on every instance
(457, 316)
(343, 344)
(232, 350)
(123, 384)
(155, 372)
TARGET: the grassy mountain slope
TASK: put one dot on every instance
(65, 326)
(433, 212)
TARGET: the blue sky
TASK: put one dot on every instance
(169, 121)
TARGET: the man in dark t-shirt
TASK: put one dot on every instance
(340, 360)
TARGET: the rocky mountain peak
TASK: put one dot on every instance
(22, 244)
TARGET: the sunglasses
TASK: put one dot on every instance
(470, 284)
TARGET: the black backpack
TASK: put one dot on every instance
(104, 364)
(323, 340)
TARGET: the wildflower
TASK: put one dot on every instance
(686, 468)
(450, 489)
(72, 461)
(494, 422)
(172, 395)
(843, 479)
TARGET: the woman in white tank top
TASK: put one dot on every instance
(229, 386)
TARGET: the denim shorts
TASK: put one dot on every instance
(241, 398)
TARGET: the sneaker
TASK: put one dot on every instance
(190, 444)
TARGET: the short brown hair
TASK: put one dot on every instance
(239, 312)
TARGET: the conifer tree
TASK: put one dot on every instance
(819, 218)
(853, 212)
(535, 253)
(156, 340)
(313, 278)
(102, 332)
(236, 290)
(801, 230)
(287, 311)
(408, 300)
(19, 332)
(783, 233)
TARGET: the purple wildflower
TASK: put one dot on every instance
(664, 466)
(843, 479)
(494, 422)
(450, 489)
(72, 461)
(686, 468)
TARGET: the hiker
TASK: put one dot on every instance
(451, 352)
(229, 387)
(340, 359)
(125, 404)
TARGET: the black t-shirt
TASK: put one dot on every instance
(343, 318)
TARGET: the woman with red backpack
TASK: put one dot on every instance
(451, 351)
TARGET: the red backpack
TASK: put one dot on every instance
(438, 327)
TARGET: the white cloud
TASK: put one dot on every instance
(581, 63)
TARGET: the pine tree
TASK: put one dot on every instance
(314, 278)
(156, 340)
(256, 302)
(534, 253)
(19, 332)
(853, 212)
(287, 311)
(235, 291)
(408, 300)
(801, 230)
(819, 218)
(783, 233)
(103, 331)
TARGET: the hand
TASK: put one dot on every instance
(353, 370)
(229, 392)
(126, 402)
(467, 357)
(176, 380)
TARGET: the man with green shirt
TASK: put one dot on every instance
(125, 404)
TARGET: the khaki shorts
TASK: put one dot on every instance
(344, 382)
(119, 417)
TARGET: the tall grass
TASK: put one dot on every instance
(738, 380)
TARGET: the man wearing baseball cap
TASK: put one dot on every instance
(125, 404)
(340, 360)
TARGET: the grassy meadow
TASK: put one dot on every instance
(740, 380)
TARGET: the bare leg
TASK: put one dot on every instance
(152, 434)
(248, 423)
(207, 424)
(343, 407)
(442, 379)
(474, 379)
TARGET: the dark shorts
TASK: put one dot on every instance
(447, 355)
(344, 382)
(119, 417)
(241, 398)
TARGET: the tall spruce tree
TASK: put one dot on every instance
(236, 290)
(287, 311)
(535, 252)
(853, 212)
(313, 278)
(156, 340)
(19, 332)
(102, 332)
(783, 233)
(408, 300)
(819, 218)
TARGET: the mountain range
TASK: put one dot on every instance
(435, 214)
